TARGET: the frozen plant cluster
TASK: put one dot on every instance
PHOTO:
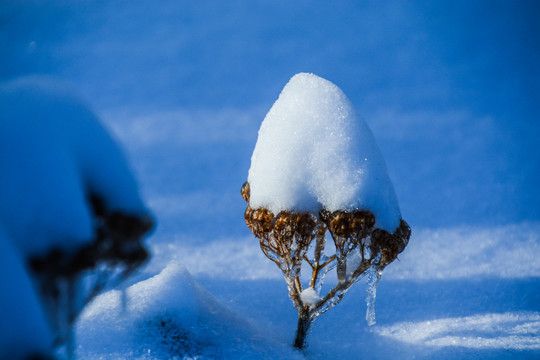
(317, 175)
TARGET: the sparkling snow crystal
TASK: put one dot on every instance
(315, 152)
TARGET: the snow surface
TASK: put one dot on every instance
(313, 152)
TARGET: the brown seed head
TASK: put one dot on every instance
(283, 221)
(306, 224)
(357, 222)
(259, 221)
(361, 223)
(402, 234)
(245, 192)
(285, 226)
(339, 223)
(390, 245)
(248, 217)
(324, 215)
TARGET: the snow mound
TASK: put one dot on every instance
(162, 305)
(54, 153)
(314, 151)
(170, 316)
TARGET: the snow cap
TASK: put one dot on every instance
(314, 152)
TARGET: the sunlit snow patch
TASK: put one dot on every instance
(517, 331)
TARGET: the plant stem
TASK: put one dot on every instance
(304, 323)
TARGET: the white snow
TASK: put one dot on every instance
(53, 154)
(309, 296)
(109, 330)
(314, 151)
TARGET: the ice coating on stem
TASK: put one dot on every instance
(314, 151)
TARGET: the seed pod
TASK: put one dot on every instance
(339, 223)
(306, 224)
(245, 192)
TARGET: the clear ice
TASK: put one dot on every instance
(374, 277)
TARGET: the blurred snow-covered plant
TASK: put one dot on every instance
(317, 176)
(70, 212)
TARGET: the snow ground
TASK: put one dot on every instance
(184, 86)
(433, 303)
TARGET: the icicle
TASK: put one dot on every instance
(373, 280)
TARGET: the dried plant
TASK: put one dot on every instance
(292, 239)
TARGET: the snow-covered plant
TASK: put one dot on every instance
(317, 177)
(70, 210)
